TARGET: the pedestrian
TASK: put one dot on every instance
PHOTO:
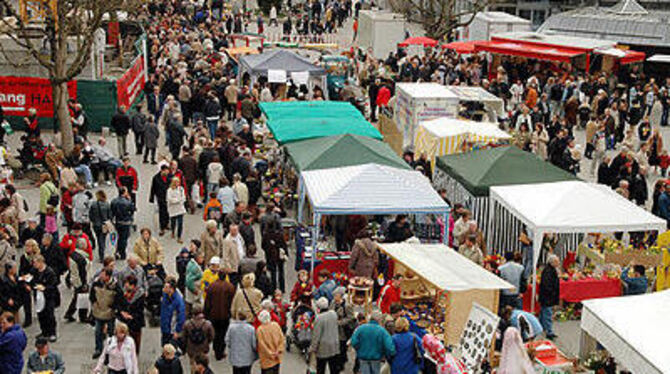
(45, 283)
(233, 250)
(409, 351)
(44, 360)
(390, 294)
(217, 310)
(148, 249)
(122, 212)
(346, 322)
(139, 126)
(120, 123)
(100, 214)
(364, 259)
(372, 344)
(548, 295)
(130, 309)
(151, 135)
(202, 365)
(168, 363)
(271, 344)
(198, 335)
(211, 241)
(512, 272)
(172, 307)
(325, 343)
(103, 296)
(119, 353)
(12, 343)
(247, 298)
(176, 200)
(193, 283)
(126, 176)
(11, 290)
(241, 342)
(326, 287)
(514, 357)
(49, 195)
(159, 187)
(276, 252)
(80, 268)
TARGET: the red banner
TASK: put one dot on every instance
(18, 94)
(131, 83)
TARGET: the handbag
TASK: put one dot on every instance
(107, 225)
(251, 307)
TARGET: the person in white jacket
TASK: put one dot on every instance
(119, 353)
(176, 198)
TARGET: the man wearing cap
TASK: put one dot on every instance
(159, 187)
(44, 360)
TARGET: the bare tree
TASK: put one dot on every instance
(66, 21)
(441, 18)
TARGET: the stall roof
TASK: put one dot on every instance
(426, 90)
(632, 329)
(472, 93)
(574, 206)
(461, 47)
(300, 120)
(445, 126)
(342, 150)
(279, 59)
(555, 40)
(479, 170)
(443, 267)
(371, 189)
(418, 40)
(536, 51)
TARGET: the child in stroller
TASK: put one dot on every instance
(302, 318)
(155, 282)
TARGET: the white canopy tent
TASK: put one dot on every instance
(443, 267)
(570, 207)
(632, 328)
(367, 189)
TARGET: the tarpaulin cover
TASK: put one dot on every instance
(461, 47)
(279, 59)
(300, 120)
(539, 52)
(479, 170)
(371, 189)
(418, 40)
(342, 150)
(633, 329)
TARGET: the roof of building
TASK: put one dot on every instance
(561, 40)
(626, 22)
(502, 17)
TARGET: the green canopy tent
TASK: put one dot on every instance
(300, 120)
(340, 151)
(467, 177)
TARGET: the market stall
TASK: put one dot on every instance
(417, 102)
(633, 329)
(478, 104)
(440, 286)
(340, 151)
(568, 207)
(369, 189)
(467, 178)
(280, 65)
(445, 136)
(300, 120)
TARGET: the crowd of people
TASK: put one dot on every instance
(226, 290)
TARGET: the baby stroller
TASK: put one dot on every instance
(155, 282)
(302, 317)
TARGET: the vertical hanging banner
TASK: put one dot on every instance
(131, 83)
(19, 94)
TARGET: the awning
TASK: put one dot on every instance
(418, 40)
(535, 51)
(659, 58)
(461, 47)
(632, 57)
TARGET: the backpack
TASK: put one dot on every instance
(53, 199)
(197, 335)
(214, 213)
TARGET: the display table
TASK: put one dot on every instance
(574, 291)
(334, 263)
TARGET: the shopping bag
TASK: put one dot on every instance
(40, 301)
(82, 301)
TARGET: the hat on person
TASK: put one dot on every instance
(216, 260)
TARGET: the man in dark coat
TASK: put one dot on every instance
(189, 166)
(159, 186)
(130, 310)
(548, 295)
(217, 309)
(46, 281)
(151, 135)
(121, 124)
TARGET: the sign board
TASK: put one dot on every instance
(300, 77)
(19, 94)
(478, 336)
(131, 83)
(276, 76)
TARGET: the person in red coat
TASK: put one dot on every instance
(383, 96)
(70, 241)
(390, 294)
(126, 176)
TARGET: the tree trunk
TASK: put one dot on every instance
(60, 99)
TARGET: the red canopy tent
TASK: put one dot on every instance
(539, 52)
(461, 47)
(632, 57)
(418, 40)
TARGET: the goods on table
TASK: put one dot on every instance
(413, 288)
(427, 315)
(609, 250)
(360, 292)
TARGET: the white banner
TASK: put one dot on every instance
(277, 76)
(300, 77)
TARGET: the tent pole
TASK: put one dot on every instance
(489, 224)
(315, 239)
(301, 199)
(445, 237)
(537, 246)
